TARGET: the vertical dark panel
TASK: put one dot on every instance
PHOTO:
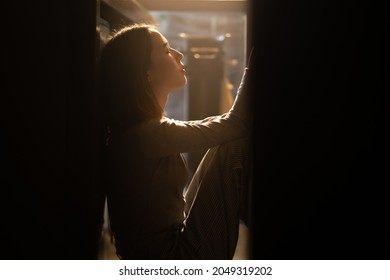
(49, 181)
(205, 80)
(84, 201)
(34, 124)
(321, 76)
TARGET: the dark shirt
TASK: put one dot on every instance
(148, 173)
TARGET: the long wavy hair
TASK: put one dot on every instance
(125, 60)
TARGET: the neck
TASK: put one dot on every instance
(162, 98)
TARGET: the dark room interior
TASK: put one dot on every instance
(320, 152)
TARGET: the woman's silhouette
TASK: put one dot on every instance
(149, 215)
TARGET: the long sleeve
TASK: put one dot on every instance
(164, 137)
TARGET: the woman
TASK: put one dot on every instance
(149, 216)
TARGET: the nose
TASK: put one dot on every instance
(178, 55)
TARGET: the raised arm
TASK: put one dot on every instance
(165, 137)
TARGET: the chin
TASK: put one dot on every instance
(183, 82)
(180, 82)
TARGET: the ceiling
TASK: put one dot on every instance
(182, 5)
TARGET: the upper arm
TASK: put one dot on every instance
(165, 137)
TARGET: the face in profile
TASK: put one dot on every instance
(166, 71)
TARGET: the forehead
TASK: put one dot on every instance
(157, 38)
